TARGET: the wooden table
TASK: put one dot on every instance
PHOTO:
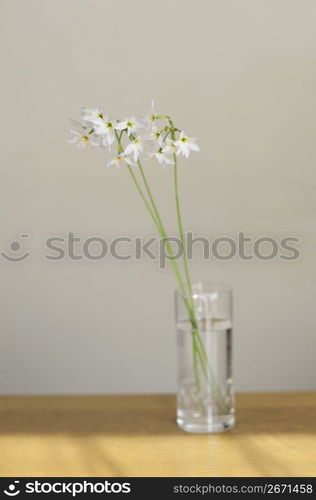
(137, 436)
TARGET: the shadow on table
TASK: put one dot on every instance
(88, 423)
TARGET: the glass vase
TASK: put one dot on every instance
(205, 400)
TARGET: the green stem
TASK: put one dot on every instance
(185, 260)
(195, 364)
(189, 304)
(159, 225)
(162, 229)
(198, 348)
(179, 217)
(142, 195)
(154, 214)
(210, 377)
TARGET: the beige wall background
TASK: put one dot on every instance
(240, 75)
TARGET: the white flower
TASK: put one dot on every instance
(162, 153)
(163, 157)
(120, 160)
(91, 114)
(136, 147)
(169, 147)
(156, 136)
(83, 137)
(186, 144)
(104, 127)
(151, 115)
(132, 125)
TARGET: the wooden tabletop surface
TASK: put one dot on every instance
(137, 436)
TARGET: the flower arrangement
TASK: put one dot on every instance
(137, 139)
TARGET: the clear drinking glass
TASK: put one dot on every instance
(205, 400)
